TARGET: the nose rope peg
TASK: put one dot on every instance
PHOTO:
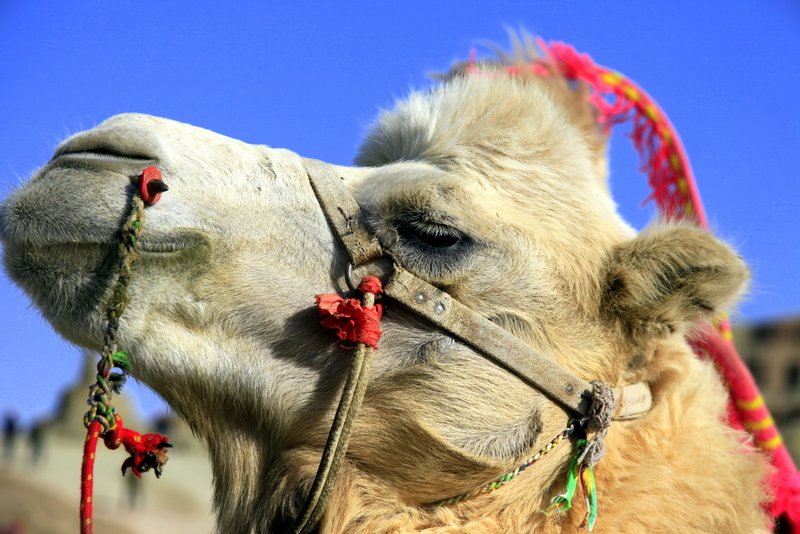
(151, 185)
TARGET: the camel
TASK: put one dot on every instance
(491, 188)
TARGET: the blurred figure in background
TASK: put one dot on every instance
(10, 418)
(36, 443)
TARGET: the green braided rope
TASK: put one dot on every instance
(494, 484)
(107, 384)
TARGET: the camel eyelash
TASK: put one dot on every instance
(431, 235)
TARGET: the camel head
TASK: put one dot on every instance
(486, 187)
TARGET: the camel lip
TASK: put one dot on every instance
(100, 159)
(149, 243)
(127, 166)
(172, 241)
(99, 154)
(119, 141)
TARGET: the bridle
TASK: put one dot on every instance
(594, 404)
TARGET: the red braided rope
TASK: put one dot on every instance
(87, 475)
(655, 139)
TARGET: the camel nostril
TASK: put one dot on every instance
(151, 185)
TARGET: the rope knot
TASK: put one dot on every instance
(596, 422)
(598, 418)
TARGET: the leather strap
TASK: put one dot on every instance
(348, 222)
(500, 345)
(507, 350)
(632, 401)
(343, 213)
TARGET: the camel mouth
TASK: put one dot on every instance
(101, 158)
(100, 154)
(69, 278)
(172, 242)
(117, 142)
(152, 242)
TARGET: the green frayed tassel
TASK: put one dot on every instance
(590, 493)
(563, 502)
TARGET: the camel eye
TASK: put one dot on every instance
(427, 244)
(414, 230)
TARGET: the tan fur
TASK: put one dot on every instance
(226, 332)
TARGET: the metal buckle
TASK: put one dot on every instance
(351, 280)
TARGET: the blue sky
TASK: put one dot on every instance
(309, 76)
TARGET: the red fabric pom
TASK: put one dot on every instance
(352, 321)
(146, 452)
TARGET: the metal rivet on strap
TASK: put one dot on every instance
(420, 298)
(439, 308)
(570, 389)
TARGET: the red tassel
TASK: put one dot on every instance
(352, 321)
(146, 452)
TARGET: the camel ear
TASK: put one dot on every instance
(668, 276)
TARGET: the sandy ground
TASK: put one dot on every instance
(45, 498)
